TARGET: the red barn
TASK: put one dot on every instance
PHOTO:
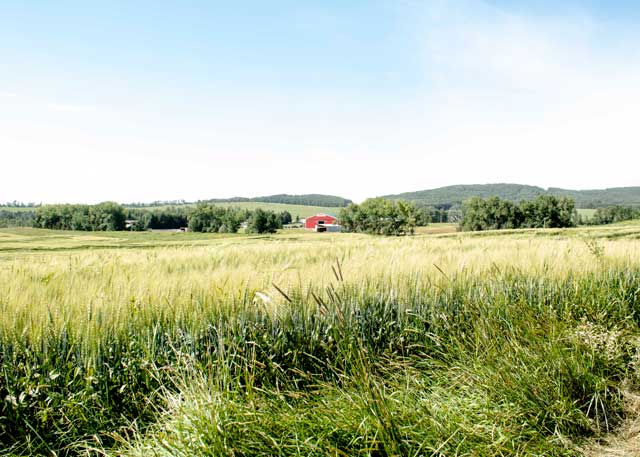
(312, 221)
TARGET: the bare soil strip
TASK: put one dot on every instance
(625, 442)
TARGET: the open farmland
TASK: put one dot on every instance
(519, 342)
(301, 211)
(586, 213)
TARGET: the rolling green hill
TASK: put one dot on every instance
(597, 198)
(302, 211)
(304, 200)
(455, 195)
(331, 201)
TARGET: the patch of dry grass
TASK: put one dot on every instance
(625, 441)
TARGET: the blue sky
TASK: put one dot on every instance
(138, 101)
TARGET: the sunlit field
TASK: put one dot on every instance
(586, 213)
(301, 211)
(444, 343)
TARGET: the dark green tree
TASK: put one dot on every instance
(285, 218)
(380, 217)
(262, 221)
(210, 218)
(495, 213)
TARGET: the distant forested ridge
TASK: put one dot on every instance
(306, 200)
(454, 196)
(612, 214)
(599, 198)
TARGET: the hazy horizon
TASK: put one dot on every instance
(146, 102)
(227, 197)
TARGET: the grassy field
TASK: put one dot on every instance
(177, 344)
(586, 213)
(295, 210)
(301, 211)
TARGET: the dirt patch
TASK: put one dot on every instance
(625, 442)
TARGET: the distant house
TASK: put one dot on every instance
(320, 220)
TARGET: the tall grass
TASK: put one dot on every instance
(502, 345)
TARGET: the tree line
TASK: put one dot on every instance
(207, 217)
(375, 216)
(438, 214)
(16, 218)
(76, 217)
(378, 216)
(100, 217)
(612, 214)
(113, 216)
(494, 213)
(17, 204)
(171, 217)
(156, 203)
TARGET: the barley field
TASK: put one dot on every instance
(520, 342)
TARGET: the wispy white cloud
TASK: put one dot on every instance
(527, 98)
(470, 44)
